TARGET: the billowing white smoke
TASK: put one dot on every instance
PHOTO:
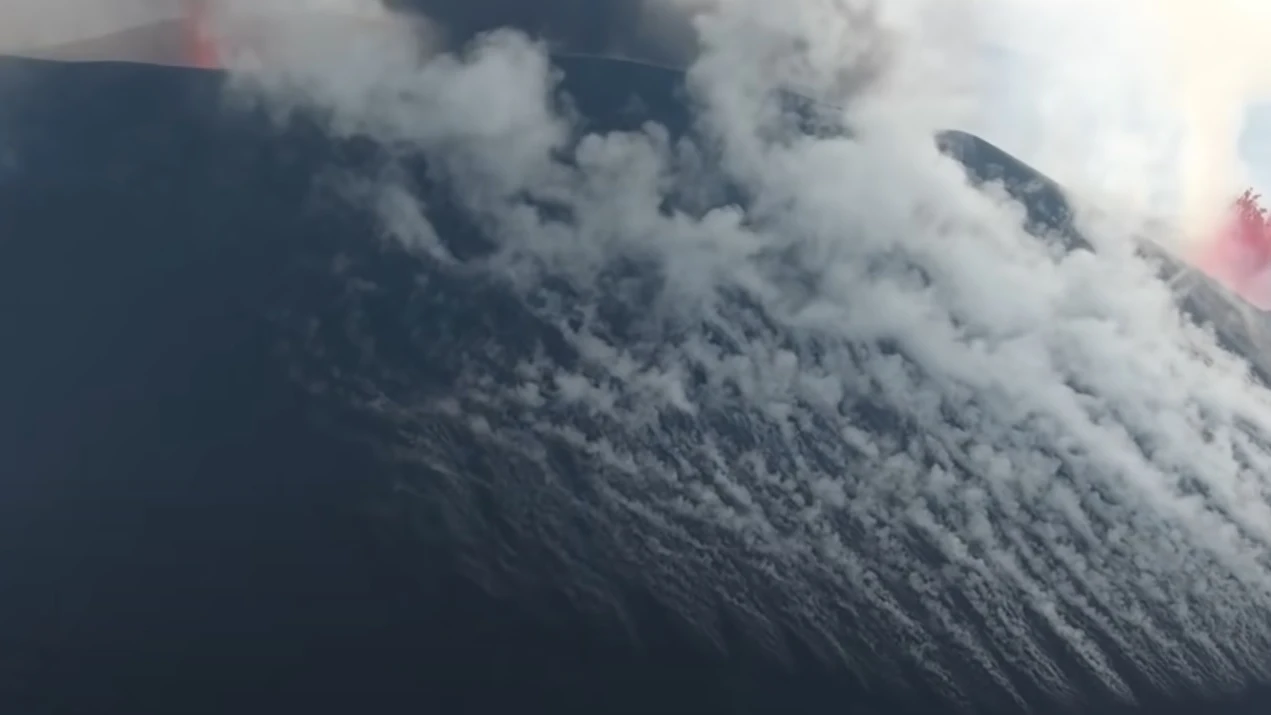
(1137, 101)
(865, 406)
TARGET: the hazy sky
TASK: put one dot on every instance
(1255, 145)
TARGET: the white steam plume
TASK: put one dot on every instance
(1138, 101)
(864, 407)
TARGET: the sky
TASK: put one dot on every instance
(1255, 145)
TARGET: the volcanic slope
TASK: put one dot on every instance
(253, 439)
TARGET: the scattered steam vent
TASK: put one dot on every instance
(872, 416)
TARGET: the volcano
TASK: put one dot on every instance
(259, 457)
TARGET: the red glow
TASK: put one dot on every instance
(199, 43)
(1240, 254)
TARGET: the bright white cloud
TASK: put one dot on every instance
(864, 406)
(1138, 100)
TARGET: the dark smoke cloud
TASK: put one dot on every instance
(653, 30)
